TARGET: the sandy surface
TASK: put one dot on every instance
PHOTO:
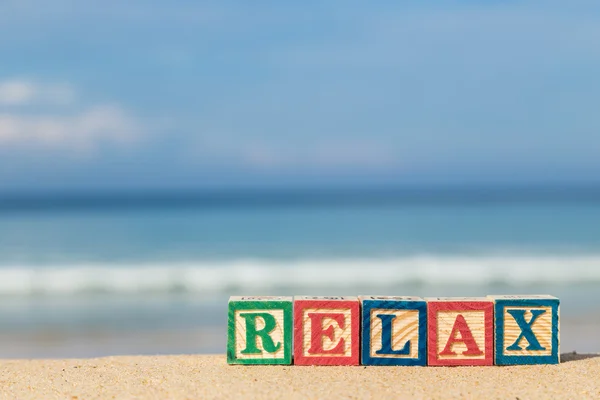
(206, 377)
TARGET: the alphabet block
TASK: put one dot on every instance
(527, 329)
(259, 330)
(460, 331)
(326, 330)
(394, 330)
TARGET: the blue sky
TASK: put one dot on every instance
(188, 94)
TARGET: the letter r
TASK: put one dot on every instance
(252, 333)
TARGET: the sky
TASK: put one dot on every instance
(118, 95)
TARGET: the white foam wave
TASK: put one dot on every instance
(256, 275)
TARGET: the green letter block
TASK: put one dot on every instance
(259, 330)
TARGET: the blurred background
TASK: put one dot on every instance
(157, 157)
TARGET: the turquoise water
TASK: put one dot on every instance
(96, 281)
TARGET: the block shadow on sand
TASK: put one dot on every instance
(574, 356)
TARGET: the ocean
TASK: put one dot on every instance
(89, 275)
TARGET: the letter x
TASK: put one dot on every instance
(526, 331)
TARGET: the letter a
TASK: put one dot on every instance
(526, 331)
(252, 333)
(466, 337)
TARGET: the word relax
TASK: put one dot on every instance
(387, 330)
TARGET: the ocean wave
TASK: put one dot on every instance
(256, 275)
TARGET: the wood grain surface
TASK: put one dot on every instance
(276, 334)
(256, 312)
(337, 337)
(405, 327)
(444, 315)
(545, 329)
(542, 328)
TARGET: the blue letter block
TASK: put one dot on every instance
(393, 330)
(526, 329)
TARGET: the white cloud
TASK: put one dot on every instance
(55, 122)
(21, 92)
(81, 130)
(16, 92)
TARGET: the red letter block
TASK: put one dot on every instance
(460, 331)
(326, 330)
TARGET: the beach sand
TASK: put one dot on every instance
(208, 377)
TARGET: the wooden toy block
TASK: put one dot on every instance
(394, 330)
(259, 330)
(326, 330)
(527, 329)
(460, 331)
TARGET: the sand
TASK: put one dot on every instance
(208, 377)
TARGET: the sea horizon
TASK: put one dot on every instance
(133, 273)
